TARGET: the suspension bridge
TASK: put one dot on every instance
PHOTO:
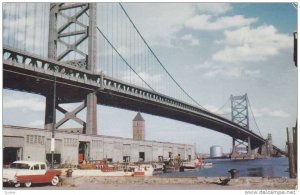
(94, 54)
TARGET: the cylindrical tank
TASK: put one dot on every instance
(216, 151)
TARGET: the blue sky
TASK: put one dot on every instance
(213, 50)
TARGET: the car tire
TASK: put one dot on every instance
(17, 185)
(28, 184)
(55, 180)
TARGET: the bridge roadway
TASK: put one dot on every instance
(30, 73)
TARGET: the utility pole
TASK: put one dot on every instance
(54, 124)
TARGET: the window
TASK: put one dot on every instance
(35, 139)
(36, 167)
(43, 140)
(43, 167)
(19, 166)
(70, 142)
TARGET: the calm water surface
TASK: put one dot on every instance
(273, 167)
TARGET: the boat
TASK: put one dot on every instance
(158, 168)
(99, 168)
(140, 170)
(208, 165)
(187, 166)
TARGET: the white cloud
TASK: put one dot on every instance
(214, 8)
(211, 69)
(227, 72)
(261, 112)
(36, 123)
(31, 104)
(205, 65)
(190, 39)
(158, 23)
(207, 22)
(252, 44)
(253, 73)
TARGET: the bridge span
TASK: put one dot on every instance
(31, 73)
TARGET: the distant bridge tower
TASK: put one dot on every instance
(138, 127)
(239, 114)
(266, 150)
(67, 34)
(239, 110)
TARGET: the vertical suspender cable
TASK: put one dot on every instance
(16, 27)
(177, 84)
(130, 45)
(41, 30)
(117, 39)
(254, 117)
(112, 39)
(107, 47)
(9, 15)
(34, 29)
(5, 22)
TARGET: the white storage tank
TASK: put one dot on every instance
(216, 151)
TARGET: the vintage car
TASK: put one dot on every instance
(30, 172)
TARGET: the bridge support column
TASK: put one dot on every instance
(91, 114)
(246, 153)
(49, 121)
(249, 152)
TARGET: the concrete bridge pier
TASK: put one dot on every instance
(91, 114)
(49, 120)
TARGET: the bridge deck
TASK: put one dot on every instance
(33, 74)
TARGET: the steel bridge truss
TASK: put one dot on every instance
(69, 31)
(240, 115)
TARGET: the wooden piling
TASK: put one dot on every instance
(295, 145)
(291, 153)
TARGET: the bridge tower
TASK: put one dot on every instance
(266, 150)
(239, 114)
(67, 32)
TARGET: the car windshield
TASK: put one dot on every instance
(19, 166)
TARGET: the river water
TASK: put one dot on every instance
(273, 167)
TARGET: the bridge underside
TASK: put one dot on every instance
(69, 91)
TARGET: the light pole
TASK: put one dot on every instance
(54, 124)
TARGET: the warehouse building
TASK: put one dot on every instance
(21, 143)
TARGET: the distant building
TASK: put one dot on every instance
(138, 127)
(216, 151)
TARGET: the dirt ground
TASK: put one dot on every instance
(162, 183)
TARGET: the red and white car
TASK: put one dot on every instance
(29, 172)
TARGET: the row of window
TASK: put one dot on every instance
(35, 139)
(70, 142)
